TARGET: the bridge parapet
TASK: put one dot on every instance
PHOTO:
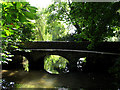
(103, 46)
(55, 45)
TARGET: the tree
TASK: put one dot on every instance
(16, 25)
(41, 33)
(93, 21)
(48, 29)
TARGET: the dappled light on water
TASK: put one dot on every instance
(3, 71)
(42, 79)
(12, 73)
(32, 79)
(42, 82)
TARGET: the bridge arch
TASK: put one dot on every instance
(56, 64)
(36, 58)
(39, 56)
(103, 53)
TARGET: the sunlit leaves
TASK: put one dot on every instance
(29, 14)
(16, 23)
(32, 9)
(12, 12)
(58, 11)
(49, 28)
(18, 5)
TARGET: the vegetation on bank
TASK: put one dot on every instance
(16, 25)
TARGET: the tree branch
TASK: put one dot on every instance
(73, 19)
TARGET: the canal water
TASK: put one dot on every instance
(42, 79)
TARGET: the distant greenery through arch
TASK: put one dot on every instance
(55, 64)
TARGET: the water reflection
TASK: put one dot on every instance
(42, 79)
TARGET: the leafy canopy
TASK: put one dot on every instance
(47, 28)
(94, 21)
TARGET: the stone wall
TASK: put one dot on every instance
(95, 61)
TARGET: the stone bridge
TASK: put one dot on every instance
(35, 52)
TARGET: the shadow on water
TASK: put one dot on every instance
(42, 79)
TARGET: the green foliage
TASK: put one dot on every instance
(93, 21)
(47, 28)
(84, 60)
(41, 32)
(96, 20)
(25, 64)
(16, 24)
(115, 38)
(54, 62)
